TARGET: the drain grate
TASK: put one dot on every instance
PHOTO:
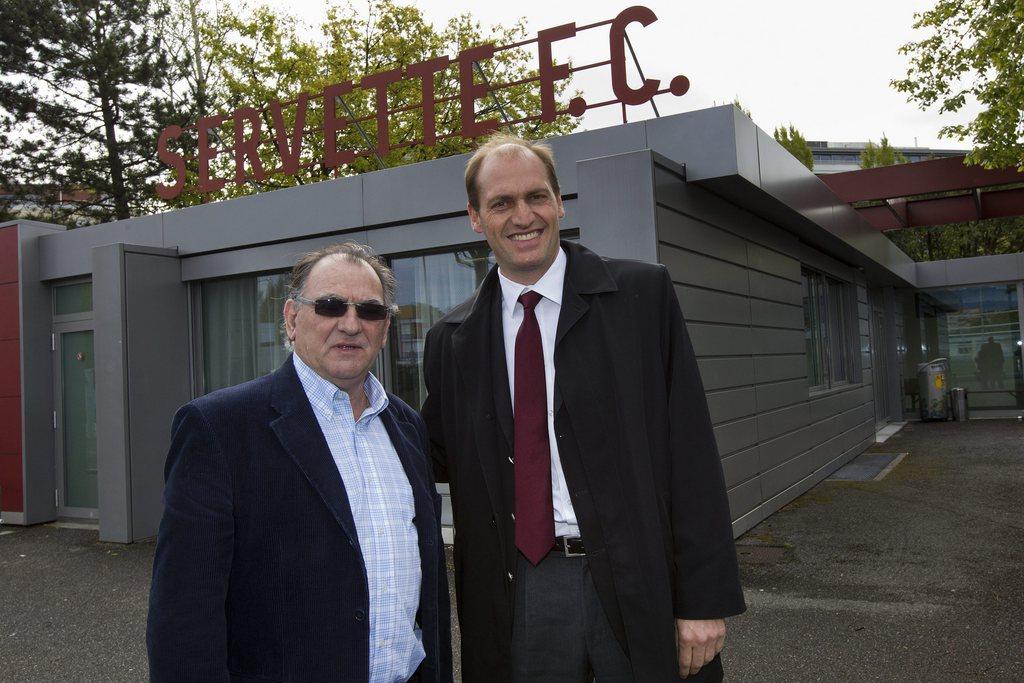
(868, 467)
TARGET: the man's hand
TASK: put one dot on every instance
(697, 643)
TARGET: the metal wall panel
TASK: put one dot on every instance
(735, 436)
(772, 262)
(720, 373)
(37, 401)
(775, 368)
(689, 233)
(720, 340)
(706, 305)
(616, 205)
(741, 295)
(695, 269)
(740, 466)
(781, 394)
(156, 301)
(112, 454)
(745, 497)
(774, 314)
(69, 253)
(775, 288)
(142, 362)
(731, 404)
(779, 422)
(769, 340)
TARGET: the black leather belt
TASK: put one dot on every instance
(569, 546)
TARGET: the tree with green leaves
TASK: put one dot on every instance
(793, 140)
(81, 105)
(961, 240)
(974, 51)
(262, 56)
(882, 154)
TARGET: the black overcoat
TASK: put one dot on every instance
(636, 445)
(258, 575)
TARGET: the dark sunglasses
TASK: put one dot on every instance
(333, 307)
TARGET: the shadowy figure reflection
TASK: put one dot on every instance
(990, 361)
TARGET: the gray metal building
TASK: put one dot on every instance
(797, 308)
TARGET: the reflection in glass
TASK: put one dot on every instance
(978, 329)
(68, 299)
(242, 335)
(428, 287)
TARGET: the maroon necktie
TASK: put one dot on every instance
(535, 519)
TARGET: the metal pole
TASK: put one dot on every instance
(640, 71)
(480, 72)
(366, 139)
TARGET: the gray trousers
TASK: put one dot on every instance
(560, 631)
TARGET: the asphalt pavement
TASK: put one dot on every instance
(918, 576)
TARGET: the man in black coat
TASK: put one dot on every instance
(301, 535)
(565, 394)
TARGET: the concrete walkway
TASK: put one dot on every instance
(917, 576)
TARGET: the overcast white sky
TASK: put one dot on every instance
(824, 66)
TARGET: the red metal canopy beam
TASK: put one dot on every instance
(920, 213)
(923, 177)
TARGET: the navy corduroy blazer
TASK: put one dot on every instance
(258, 573)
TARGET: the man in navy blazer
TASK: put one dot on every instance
(301, 532)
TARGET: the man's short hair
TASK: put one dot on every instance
(493, 144)
(352, 252)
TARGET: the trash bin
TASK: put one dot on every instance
(958, 397)
(932, 382)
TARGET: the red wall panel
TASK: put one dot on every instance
(10, 426)
(10, 481)
(10, 368)
(10, 374)
(9, 320)
(9, 254)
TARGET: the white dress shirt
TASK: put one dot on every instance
(549, 286)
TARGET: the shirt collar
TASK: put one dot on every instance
(548, 286)
(329, 400)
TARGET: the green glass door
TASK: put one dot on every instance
(78, 383)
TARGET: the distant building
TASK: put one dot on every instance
(836, 157)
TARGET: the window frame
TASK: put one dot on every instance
(830, 328)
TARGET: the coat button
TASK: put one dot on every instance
(360, 615)
(513, 517)
(494, 522)
(510, 577)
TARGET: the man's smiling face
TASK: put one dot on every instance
(519, 213)
(341, 350)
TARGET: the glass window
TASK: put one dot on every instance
(68, 299)
(242, 335)
(978, 329)
(828, 330)
(428, 287)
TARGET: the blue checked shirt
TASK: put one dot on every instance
(383, 509)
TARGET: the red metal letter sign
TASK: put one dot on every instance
(617, 47)
(290, 156)
(207, 153)
(172, 159)
(334, 157)
(549, 71)
(426, 70)
(380, 81)
(248, 147)
(469, 91)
